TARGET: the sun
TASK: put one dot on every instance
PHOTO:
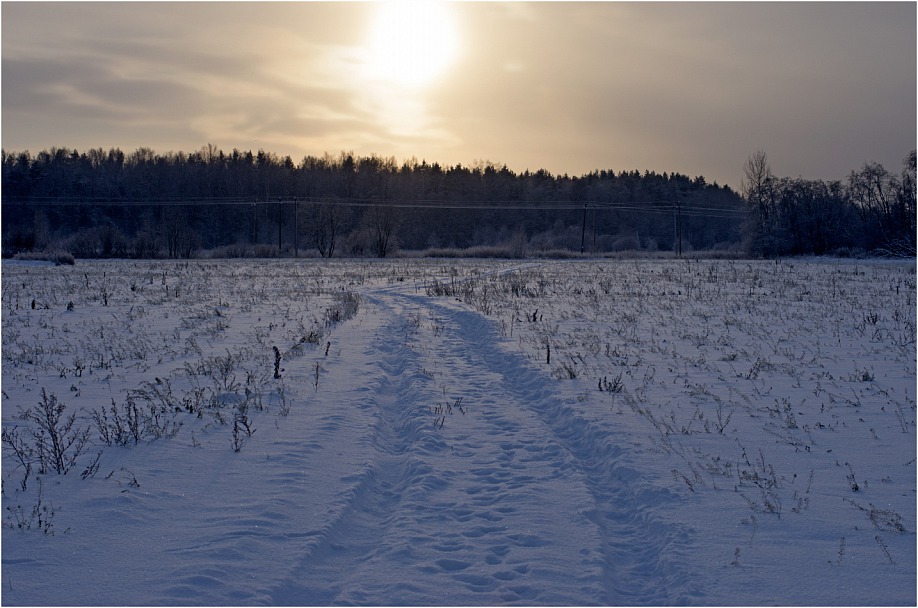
(411, 44)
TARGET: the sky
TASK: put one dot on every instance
(693, 88)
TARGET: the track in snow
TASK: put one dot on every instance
(514, 499)
(331, 568)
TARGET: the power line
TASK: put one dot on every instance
(647, 206)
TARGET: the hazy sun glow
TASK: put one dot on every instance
(411, 43)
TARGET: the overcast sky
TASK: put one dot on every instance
(693, 88)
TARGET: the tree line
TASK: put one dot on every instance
(143, 204)
(872, 212)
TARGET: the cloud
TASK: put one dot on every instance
(570, 87)
(689, 87)
(234, 74)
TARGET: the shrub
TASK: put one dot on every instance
(123, 428)
(56, 443)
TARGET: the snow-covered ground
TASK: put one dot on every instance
(459, 433)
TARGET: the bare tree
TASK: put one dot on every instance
(757, 188)
(382, 224)
(182, 240)
(886, 203)
(756, 175)
(326, 221)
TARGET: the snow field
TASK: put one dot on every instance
(768, 390)
(466, 433)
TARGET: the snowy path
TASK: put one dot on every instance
(482, 487)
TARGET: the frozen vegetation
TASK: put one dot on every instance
(458, 433)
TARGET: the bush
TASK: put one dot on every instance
(625, 242)
(58, 257)
(99, 242)
(481, 251)
(55, 442)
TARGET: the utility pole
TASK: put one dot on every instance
(583, 230)
(296, 230)
(679, 208)
(594, 230)
(280, 211)
(677, 227)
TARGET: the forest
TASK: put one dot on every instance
(208, 203)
